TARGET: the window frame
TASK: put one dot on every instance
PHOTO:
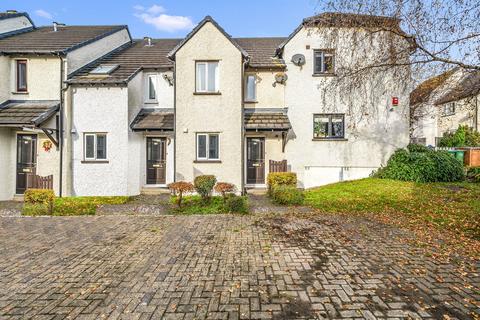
(329, 129)
(207, 146)
(247, 76)
(217, 77)
(323, 51)
(154, 78)
(446, 107)
(95, 146)
(18, 62)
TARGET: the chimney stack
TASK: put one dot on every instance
(148, 41)
(56, 25)
(12, 11)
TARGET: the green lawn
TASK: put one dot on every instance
(448, 206)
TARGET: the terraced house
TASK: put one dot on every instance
(140, 114)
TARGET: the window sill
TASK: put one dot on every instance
(251, 101)
(207, 161)
(20, 92)
(207, 93)
(95, 161)
(324, 75)
(151, 102)
(329, 139)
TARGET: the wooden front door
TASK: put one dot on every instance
(255, 160)
(156, 160)
(26, 159)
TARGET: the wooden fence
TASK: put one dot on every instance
(278, 166)
(38, 182)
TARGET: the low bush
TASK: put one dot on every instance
(224, 189)
(204, 185)
(37, 198)
(179, 189)
(464, 136)
(275, 179)
(287, 195)
(72, 206)
(236, 204)
(35, 209)
(424, 166)
(473, 175)
(196, 205)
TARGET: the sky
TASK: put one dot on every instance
(172, 18)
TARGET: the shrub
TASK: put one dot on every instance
(473, 175)
(35, 209)
(464, 136)
(418, 148)
(40, 197)
(236, 204)
(224, 189)
(431, 166)
(179, 189)
(204, 185)
(275, 179)
(73, 206)
(287, 195)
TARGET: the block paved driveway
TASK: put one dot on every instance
(223, 267)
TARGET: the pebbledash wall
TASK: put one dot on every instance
(220, 113)
(111, 110)
(373, 129)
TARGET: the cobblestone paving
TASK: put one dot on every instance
(223, 267)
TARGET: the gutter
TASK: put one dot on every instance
(175, 141)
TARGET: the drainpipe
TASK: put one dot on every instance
(476, 113)
(244, 64)
(61, 111)
(175, 121)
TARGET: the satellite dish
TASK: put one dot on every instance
(298, 59)
(281, 78)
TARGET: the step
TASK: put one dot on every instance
(154, 190)
(18, 197)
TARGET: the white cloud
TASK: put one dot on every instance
(155, 16)
(44, 14)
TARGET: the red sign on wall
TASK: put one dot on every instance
(395, 101)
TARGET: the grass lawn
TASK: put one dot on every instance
(73, 206)
(445, 206)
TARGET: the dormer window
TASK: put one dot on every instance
(104, 69)
(207, 77)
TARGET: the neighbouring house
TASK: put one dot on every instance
(148, 112)
(34, 64)
(443, 103)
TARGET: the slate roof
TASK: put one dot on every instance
(423, 91)
(153, 119)
(44, 40)
(276, 120)
(345, 20)
(131, 58)
(15, 113)
(262, 51)
(469, 86)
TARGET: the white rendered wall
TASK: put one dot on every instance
(7, 163)
(14, 24)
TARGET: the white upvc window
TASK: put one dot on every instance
(323, 61)
(449, 109)
(95, 146)
(208, 146)
(207, 77)
(151, 88)
(251, 88)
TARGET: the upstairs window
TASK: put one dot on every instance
(151, 94)
(449, 109)
(328, 126)
(207, 77)
(251, 88)
(323, 62)
(95, 146)
(21, 76)
(208, 146)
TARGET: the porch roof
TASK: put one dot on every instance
(15, 113)
(149, 119)
(267, 120)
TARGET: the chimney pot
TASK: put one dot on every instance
(12, 11)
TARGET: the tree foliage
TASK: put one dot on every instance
(179, 189)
